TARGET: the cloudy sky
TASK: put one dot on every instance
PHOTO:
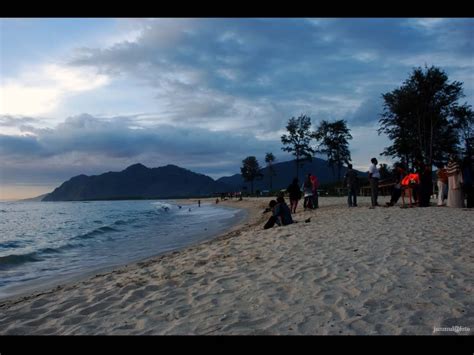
(96, 95)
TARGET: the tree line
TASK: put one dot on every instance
(331, 139)
(422, 118)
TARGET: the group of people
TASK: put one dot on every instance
(309, 189)
(454, 182)
(281, 213)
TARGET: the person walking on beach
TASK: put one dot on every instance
(455, 182)
(351, 182)
(442, 182)
(308, 192)
(295, 194)
(374, 177)
(315, 182)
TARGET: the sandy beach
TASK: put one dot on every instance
(348, 271)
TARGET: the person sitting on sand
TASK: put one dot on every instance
(281, 214)
(398, 175)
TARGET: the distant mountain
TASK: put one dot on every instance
(137, 182)
(284, 174)
(35, 199)
(170, 181)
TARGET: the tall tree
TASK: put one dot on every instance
(464, 122)
(419, 117)
(298, 139)
(250, 170)
(333, 138)
(269, 159)
(385, 171)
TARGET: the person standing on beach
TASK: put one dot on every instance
(467, 176)
(295, 194)
(351, 182)
(308, 192)
(426, 184)
(199, 203)
(374, 177)
(455, 182)
(315, 182)
(442, 182)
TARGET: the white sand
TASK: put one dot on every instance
(348, 271)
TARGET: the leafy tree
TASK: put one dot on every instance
(250, 170)
(464, 122)
(419, 117)
(384, 171)
(269, 159)
(298, 139)
(334, 137)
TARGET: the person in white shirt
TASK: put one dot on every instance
(374, 177)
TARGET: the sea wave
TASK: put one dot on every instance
(15, 259)
(10, 244)
(96, 232)
(163, 205)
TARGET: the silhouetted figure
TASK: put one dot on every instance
(199, 203)
(308, 192)
(426, 183)
(315, 182)
(281, 214)
(295, 194)
(398, 174)
(352, 183)
(374, 177)
(455, 181)
(442, 182)
(467, 176)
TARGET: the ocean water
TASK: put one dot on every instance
(41, 242)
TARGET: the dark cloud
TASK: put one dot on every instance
(211, 70)
(94, 144)
(219, 83)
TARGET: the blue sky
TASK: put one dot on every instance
(94, 95)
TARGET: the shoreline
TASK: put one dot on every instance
(347, 272)
(44, 286)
